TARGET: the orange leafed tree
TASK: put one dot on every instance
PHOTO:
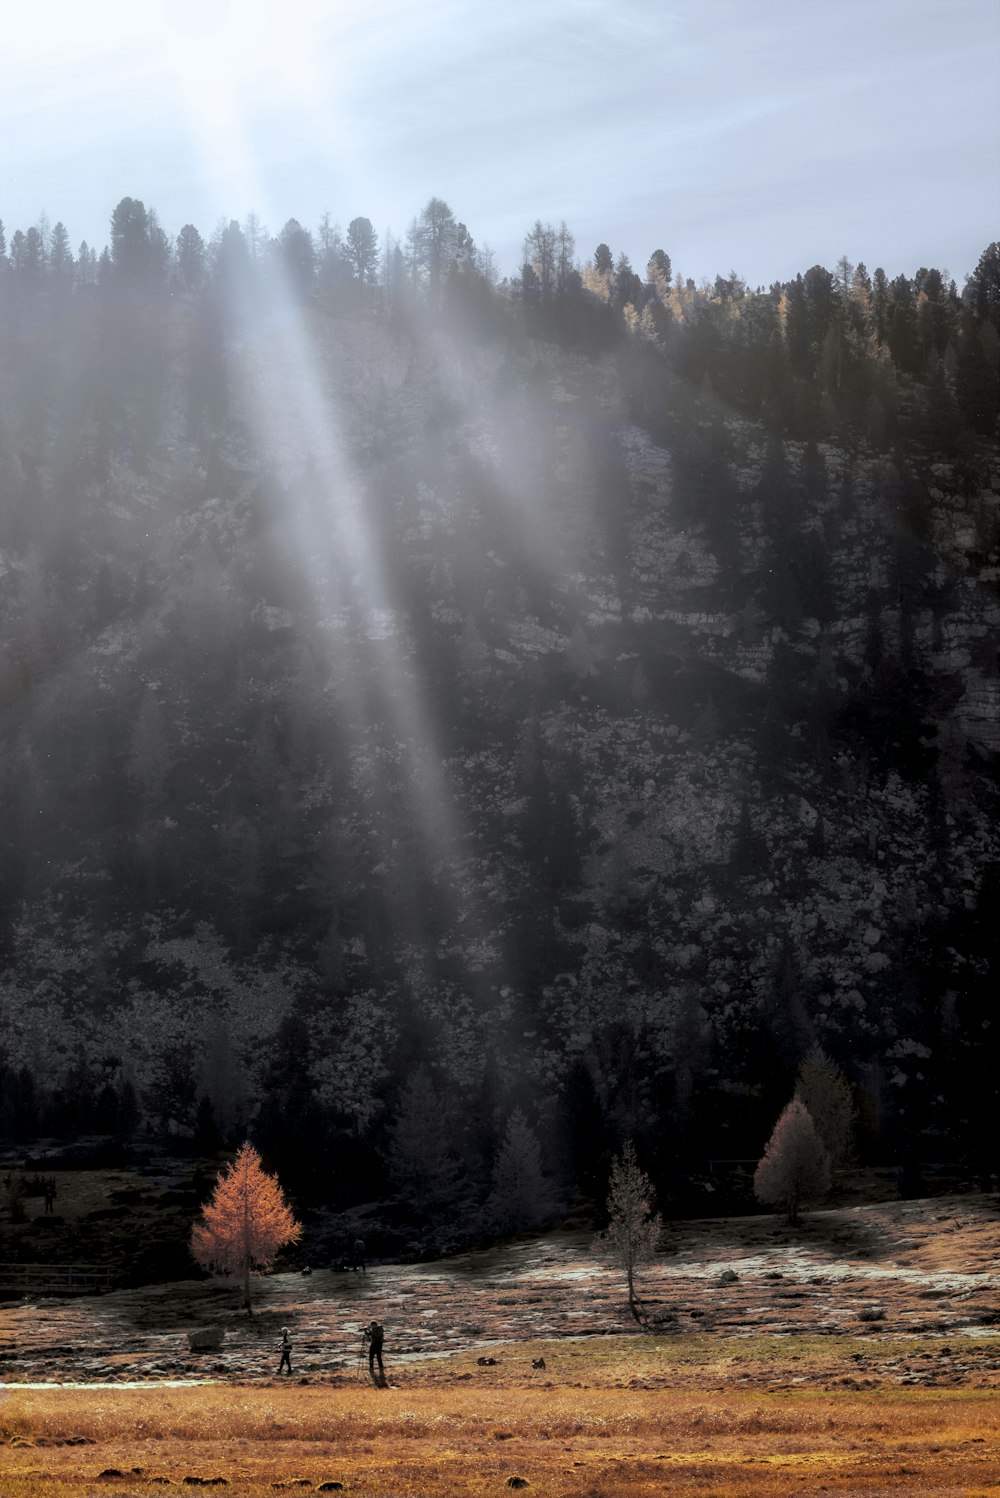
(246, 1222)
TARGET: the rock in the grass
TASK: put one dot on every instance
(330, 1487)
(487, 1362)
(209, 1339)
(109, 1472)
(517, 1482)
(727, 1277)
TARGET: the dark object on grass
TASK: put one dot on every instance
(728, 1277)
(872, 1313)
(486, 1362)
(517, 1482)
(538, 1362)
(210, 1339)
(330, 1487)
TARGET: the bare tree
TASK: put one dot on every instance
(634, 1228)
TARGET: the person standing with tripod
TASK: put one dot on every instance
(373, 1335)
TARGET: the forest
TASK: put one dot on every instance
(452, 724)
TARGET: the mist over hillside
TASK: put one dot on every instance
(424, 698)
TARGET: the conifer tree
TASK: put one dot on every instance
(362, 248)
(795, 1165)
(520, 1198)
(246, 1221)
(420, 1154)
(633, 1227)
(824, 1090)
(190, 258)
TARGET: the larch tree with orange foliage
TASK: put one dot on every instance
(245, 1223)
(795, 1165)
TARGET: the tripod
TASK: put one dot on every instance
(361, 1356)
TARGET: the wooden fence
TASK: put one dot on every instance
(60, 1279)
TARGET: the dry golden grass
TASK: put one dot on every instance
(608, 1418)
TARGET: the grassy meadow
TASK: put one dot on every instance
(608, 1417)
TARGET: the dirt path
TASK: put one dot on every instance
(915, 1268)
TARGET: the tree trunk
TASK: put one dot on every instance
(246, 1286)
(633, 1307)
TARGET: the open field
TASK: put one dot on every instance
(859, 1354)
(924, 1268)
(629, 1416)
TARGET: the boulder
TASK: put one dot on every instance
(209, 1339)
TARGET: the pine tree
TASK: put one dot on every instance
(433, 237)
(603, 260)
(795, 1165)
(246, 1221)
(824, 1090)
(130, 240)
(520, 1197)
(298, 255)
(421, 1157)
(362, 248)
(60, 257)
(633, 1228)
(190, 258)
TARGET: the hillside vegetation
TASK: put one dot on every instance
(430, 699)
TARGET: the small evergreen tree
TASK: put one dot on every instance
(633, 1227)
(824, 1090)
(421, 1157)
(520, 1197)
(246, 1221)
(795, 1165)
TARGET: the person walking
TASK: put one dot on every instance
(286, 1351)
(374, 1335)
(359, 1255)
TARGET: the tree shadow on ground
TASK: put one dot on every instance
(833, 1234)
(187, 1303)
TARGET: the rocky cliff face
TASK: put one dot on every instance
(418, 702)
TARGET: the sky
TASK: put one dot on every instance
(762, 136)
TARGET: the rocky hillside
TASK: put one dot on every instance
(411, 717)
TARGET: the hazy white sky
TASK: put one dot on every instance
(759, 135)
